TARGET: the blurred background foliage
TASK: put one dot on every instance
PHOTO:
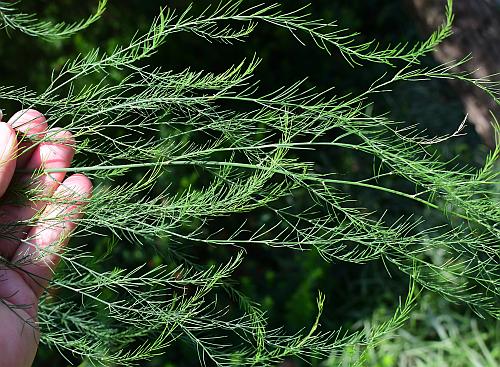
(283, 282)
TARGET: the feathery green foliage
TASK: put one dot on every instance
(248, 147)
(12, 19)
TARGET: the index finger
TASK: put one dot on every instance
(30, 124)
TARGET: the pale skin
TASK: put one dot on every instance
(20, 292)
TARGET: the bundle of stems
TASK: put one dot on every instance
(132, 133)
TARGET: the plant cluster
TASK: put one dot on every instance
(134, 132)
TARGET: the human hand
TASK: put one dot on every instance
(25, 268)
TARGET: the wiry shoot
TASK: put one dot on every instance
(12, 18)
(153, 122)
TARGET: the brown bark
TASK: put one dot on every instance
(476, 32)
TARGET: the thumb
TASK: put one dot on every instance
(8, 142)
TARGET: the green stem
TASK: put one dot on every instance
(413, 197)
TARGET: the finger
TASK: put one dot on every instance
(55, 153)
(30, 125)
(8, 144)
(18, 339)
(38, 254)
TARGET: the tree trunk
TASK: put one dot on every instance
(476, 32)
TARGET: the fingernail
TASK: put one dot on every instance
(6, 138)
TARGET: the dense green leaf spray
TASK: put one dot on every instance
(133, 131)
